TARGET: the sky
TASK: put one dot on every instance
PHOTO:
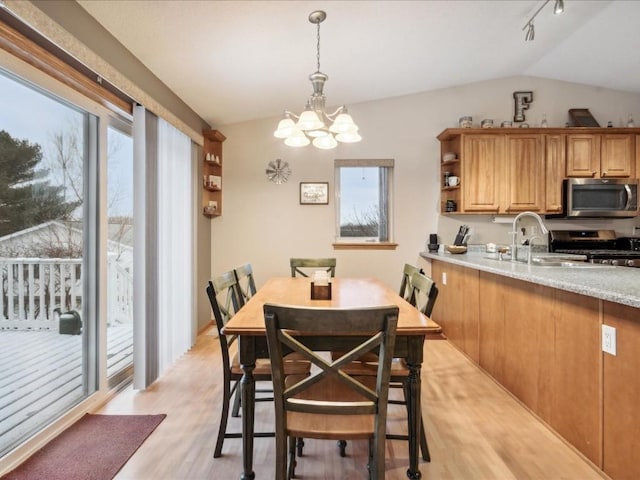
(27, 114)
(358, 192)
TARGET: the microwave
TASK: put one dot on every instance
(600, 197)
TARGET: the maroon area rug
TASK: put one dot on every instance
(94, 448)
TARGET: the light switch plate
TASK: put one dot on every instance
(608, 339)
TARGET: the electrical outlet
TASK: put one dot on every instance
(608, 339)
(444, 278)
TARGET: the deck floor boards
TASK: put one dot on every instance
(41, 376)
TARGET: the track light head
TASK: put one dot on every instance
(558, 7)
(530, 35)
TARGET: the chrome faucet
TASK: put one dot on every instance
(514, 234)
(531, 239)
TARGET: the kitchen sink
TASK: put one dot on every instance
(565, 263)
(558, 261)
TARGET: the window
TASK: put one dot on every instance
(364, 201)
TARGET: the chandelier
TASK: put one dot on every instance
(315, 125)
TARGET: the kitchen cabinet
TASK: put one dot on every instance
(510, 170)
(524, 179)
(621, 393)
(482, 173)
(212, 173)
(457, 305)
(601, 155)
(541, 343)
(555, 166)
(499, 173)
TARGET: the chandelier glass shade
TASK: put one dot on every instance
(314, 125)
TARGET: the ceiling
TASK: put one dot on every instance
(232, 61)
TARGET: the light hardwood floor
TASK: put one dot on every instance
(476, 430)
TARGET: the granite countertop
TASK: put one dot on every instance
(614, 284)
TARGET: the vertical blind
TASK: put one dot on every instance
(175, 238)
(163, 273)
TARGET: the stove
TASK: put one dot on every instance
(599, 246)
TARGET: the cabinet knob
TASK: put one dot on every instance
(604, 174)
(593, 174)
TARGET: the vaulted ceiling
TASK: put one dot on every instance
(232, 61)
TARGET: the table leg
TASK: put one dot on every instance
(248, 392)
(414, 416)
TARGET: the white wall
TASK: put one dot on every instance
(264, 224)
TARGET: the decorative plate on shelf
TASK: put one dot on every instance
(278, 171)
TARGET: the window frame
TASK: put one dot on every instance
(365, 242)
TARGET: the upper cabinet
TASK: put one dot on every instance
(212, 173)
(601, 155)
(499, 173)
(511, 170)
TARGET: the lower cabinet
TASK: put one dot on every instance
(457, 305)
(540, 343)
(622, 394)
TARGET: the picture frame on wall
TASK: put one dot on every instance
(314, 193)
(582, 118)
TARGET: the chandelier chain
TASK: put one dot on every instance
(318, 48)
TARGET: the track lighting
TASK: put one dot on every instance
(530, 34)
(559, 7)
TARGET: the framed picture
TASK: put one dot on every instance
(582, 118)
(314, 193)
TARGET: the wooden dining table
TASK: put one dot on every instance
(248, 324)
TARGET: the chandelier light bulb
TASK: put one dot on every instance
(349, 137)
(297, 139)
(309, 120)
(343, 124)
(322, 132)
(285, 128)
(325, 143)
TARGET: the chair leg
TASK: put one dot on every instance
(342, 446)
(291, 471)
(224, 416)
(236, 404)
(424, 447)
(300, 445)
(426, 456)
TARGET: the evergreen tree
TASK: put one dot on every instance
(26, 199)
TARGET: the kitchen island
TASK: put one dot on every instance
(538, 331)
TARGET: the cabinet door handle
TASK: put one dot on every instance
(604, 174)
(593, 174)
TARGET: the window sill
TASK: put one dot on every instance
(365, 246)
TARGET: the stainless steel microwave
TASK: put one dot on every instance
(600, 197)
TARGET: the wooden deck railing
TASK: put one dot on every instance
(31, 289)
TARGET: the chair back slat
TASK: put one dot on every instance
(223, 297)
(302, 266)
(424, 293)
(246, 283)
(406, 287)
(371, 328)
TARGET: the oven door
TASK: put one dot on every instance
(600, 197)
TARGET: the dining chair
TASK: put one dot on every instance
(330, 403)
(298, 264)
(246, 283)
(405, 285)
(423, 295)
(223, 296)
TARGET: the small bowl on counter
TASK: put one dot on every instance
(456, 249)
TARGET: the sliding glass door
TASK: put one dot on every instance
(120, 227)
(48, 258)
